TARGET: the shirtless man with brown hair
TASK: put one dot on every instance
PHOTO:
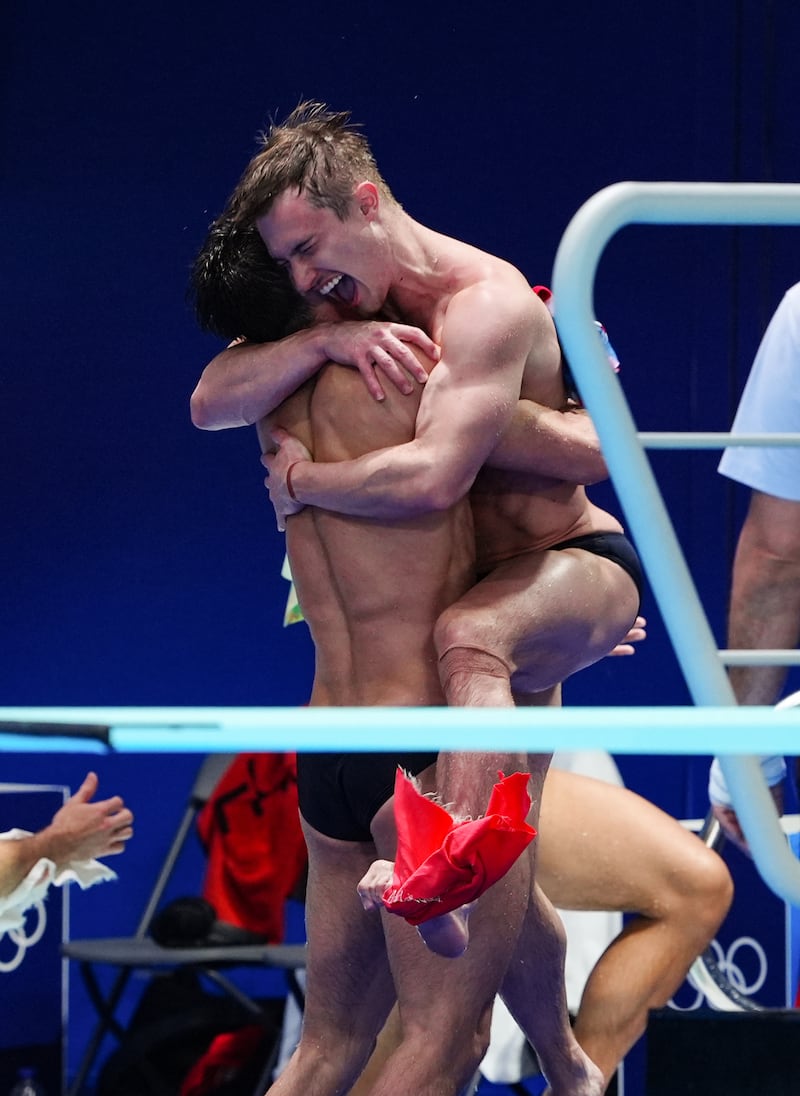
(564, 600)
(327, 216)
(564, 604)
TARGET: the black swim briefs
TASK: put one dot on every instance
(613, 546)
(340, 793)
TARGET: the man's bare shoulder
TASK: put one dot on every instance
(498, 278)
(499, 314)
(468, 266)
(497, 302)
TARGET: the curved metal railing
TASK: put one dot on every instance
(648, 522)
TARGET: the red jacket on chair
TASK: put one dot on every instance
(250, 828)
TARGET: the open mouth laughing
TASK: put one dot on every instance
(340, 287)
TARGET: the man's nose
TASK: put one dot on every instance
(302, 276)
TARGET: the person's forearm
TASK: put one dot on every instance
(17, 857)
(764, 613)
(401, 482)
(549, 442)
(246, 382)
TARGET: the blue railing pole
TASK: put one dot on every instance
(574, 273)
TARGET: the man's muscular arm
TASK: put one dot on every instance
(765, 593)
(764, 613)
(467, 404)
(248, 381)
(546, 441)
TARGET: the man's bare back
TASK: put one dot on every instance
(370, 591)
(240, 387)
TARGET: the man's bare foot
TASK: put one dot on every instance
(581, 1078)
(447, 935)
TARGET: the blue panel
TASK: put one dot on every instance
(140, 564)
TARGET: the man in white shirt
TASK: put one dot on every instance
(765, 590)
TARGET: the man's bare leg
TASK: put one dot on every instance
(349, 989)
(603, 847)
(531, 623)
(445, 1005)
(477, 658)
(536, 971)
(537, 1001)
(533, 986)
(389, 1039)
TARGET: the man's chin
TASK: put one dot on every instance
(342, 310)
(356, 311)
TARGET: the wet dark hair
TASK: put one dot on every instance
(237, 289)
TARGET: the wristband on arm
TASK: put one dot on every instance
(773, 769)
(289, 488)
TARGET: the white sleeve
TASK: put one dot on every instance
(41, 876)
(773, 769)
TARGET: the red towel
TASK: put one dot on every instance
(442, 864)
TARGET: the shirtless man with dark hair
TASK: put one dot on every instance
(555, 570)
(678, 887)
(352, 575)
(564, 601)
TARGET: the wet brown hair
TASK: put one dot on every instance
(317, 151)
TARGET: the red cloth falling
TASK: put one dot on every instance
(442, 864)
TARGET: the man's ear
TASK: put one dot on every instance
(367, 198)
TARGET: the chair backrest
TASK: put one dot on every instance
(208, 775)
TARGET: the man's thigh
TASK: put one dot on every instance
(349, 984)
(604, 847)
(448, 999)
(554, 612)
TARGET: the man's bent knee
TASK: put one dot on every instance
(458, 626)
(456, 1051)
(713, 890)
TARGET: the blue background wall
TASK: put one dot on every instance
(140, 563)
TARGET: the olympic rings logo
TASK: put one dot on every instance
(729, 966)
(23, 939)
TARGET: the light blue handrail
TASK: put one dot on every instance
(652, 730)
(574, 272)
